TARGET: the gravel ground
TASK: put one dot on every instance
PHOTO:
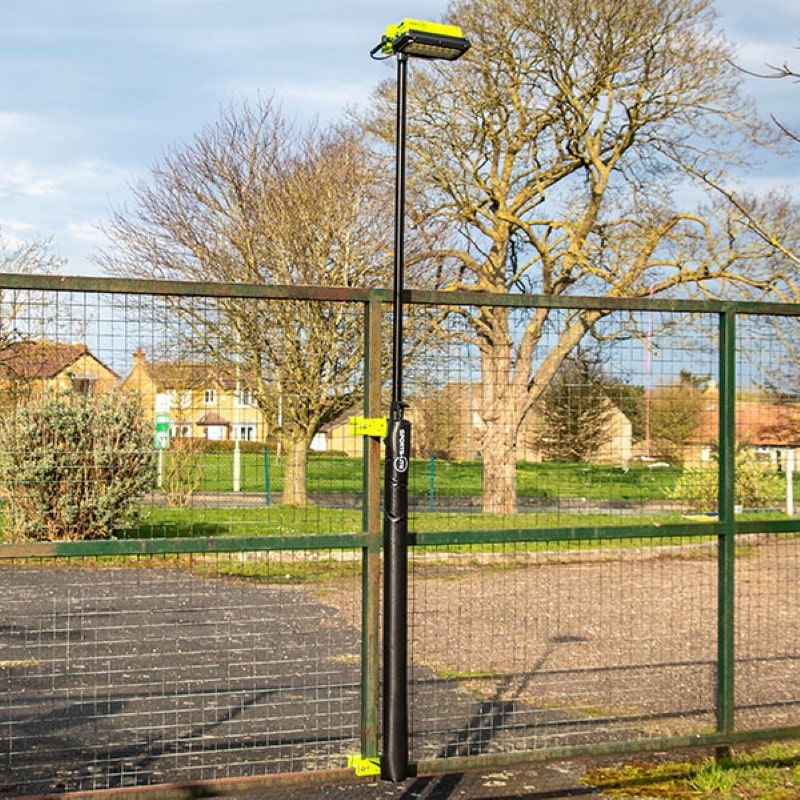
(566, 648)
(123, 677)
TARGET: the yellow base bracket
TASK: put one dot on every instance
(364, 766)
(369, 426)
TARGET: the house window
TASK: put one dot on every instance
(83, 383)
(245, 432)
(210, 397)
(181, 431)
(245, 398)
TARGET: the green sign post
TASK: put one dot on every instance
(162, 431)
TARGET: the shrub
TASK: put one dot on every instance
(755, 485)
(74, 467)
(182, 470)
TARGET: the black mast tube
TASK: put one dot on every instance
(394, 764)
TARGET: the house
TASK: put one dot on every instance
(200, 400)
(448, 424)
(337, 435)
(616, 448)
(769, 427)
(33, 367)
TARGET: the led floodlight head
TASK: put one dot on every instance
(422, 39)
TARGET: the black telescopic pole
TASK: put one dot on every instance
(394, 764)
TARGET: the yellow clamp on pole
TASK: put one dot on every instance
(369, 426)
(364, 766)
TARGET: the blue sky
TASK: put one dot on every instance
(94, 91)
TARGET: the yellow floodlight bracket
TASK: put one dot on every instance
(364, 766)
(369, 426)
(410, 26)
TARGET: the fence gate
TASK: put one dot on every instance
(638, 591)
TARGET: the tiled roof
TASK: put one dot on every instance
(42, 360)
(757, 423)
(342, 419)
(181, 374)
(185, 374)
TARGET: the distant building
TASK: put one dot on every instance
(34, 367)
(615, 449)
(449, 424)
(769, 427)
(201, 400)
(337, 435)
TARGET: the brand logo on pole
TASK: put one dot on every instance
(400, 461)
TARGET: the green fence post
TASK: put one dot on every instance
(371, 524)
(726, 541)
(266, 476)
(431, 482)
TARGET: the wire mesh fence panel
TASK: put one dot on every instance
(234, 414)
(597, 432)
(767, 625)
(767, 425)
(574, 640)
(579, 477)
(767, 565)
(188, 419)
(532, 646)
(175, 670)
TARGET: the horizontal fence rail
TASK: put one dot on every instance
(190, 563)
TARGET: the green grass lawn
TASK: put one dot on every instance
(278, 520)
(340, 474)
(432, 486)
(274, 520)
(765, 772)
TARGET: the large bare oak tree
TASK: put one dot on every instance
(558, 153)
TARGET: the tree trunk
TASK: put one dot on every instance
(499, 416)
(510, 388)
(500, 465)
(295, 492)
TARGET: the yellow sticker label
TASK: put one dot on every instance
(369, 426)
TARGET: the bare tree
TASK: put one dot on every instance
(25, 258)
(254, 200)
(552, 153)
(780, 73)
(440, 421)
(769, 221)
(24, 314)
(677, 414)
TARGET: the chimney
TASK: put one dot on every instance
(138, 357)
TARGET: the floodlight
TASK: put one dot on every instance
(421, 39)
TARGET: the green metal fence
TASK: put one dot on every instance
(230, 636)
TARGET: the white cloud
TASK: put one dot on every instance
(22, 178)
(13, 227)
(15, 123)
(60, 180)
(86, 232)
